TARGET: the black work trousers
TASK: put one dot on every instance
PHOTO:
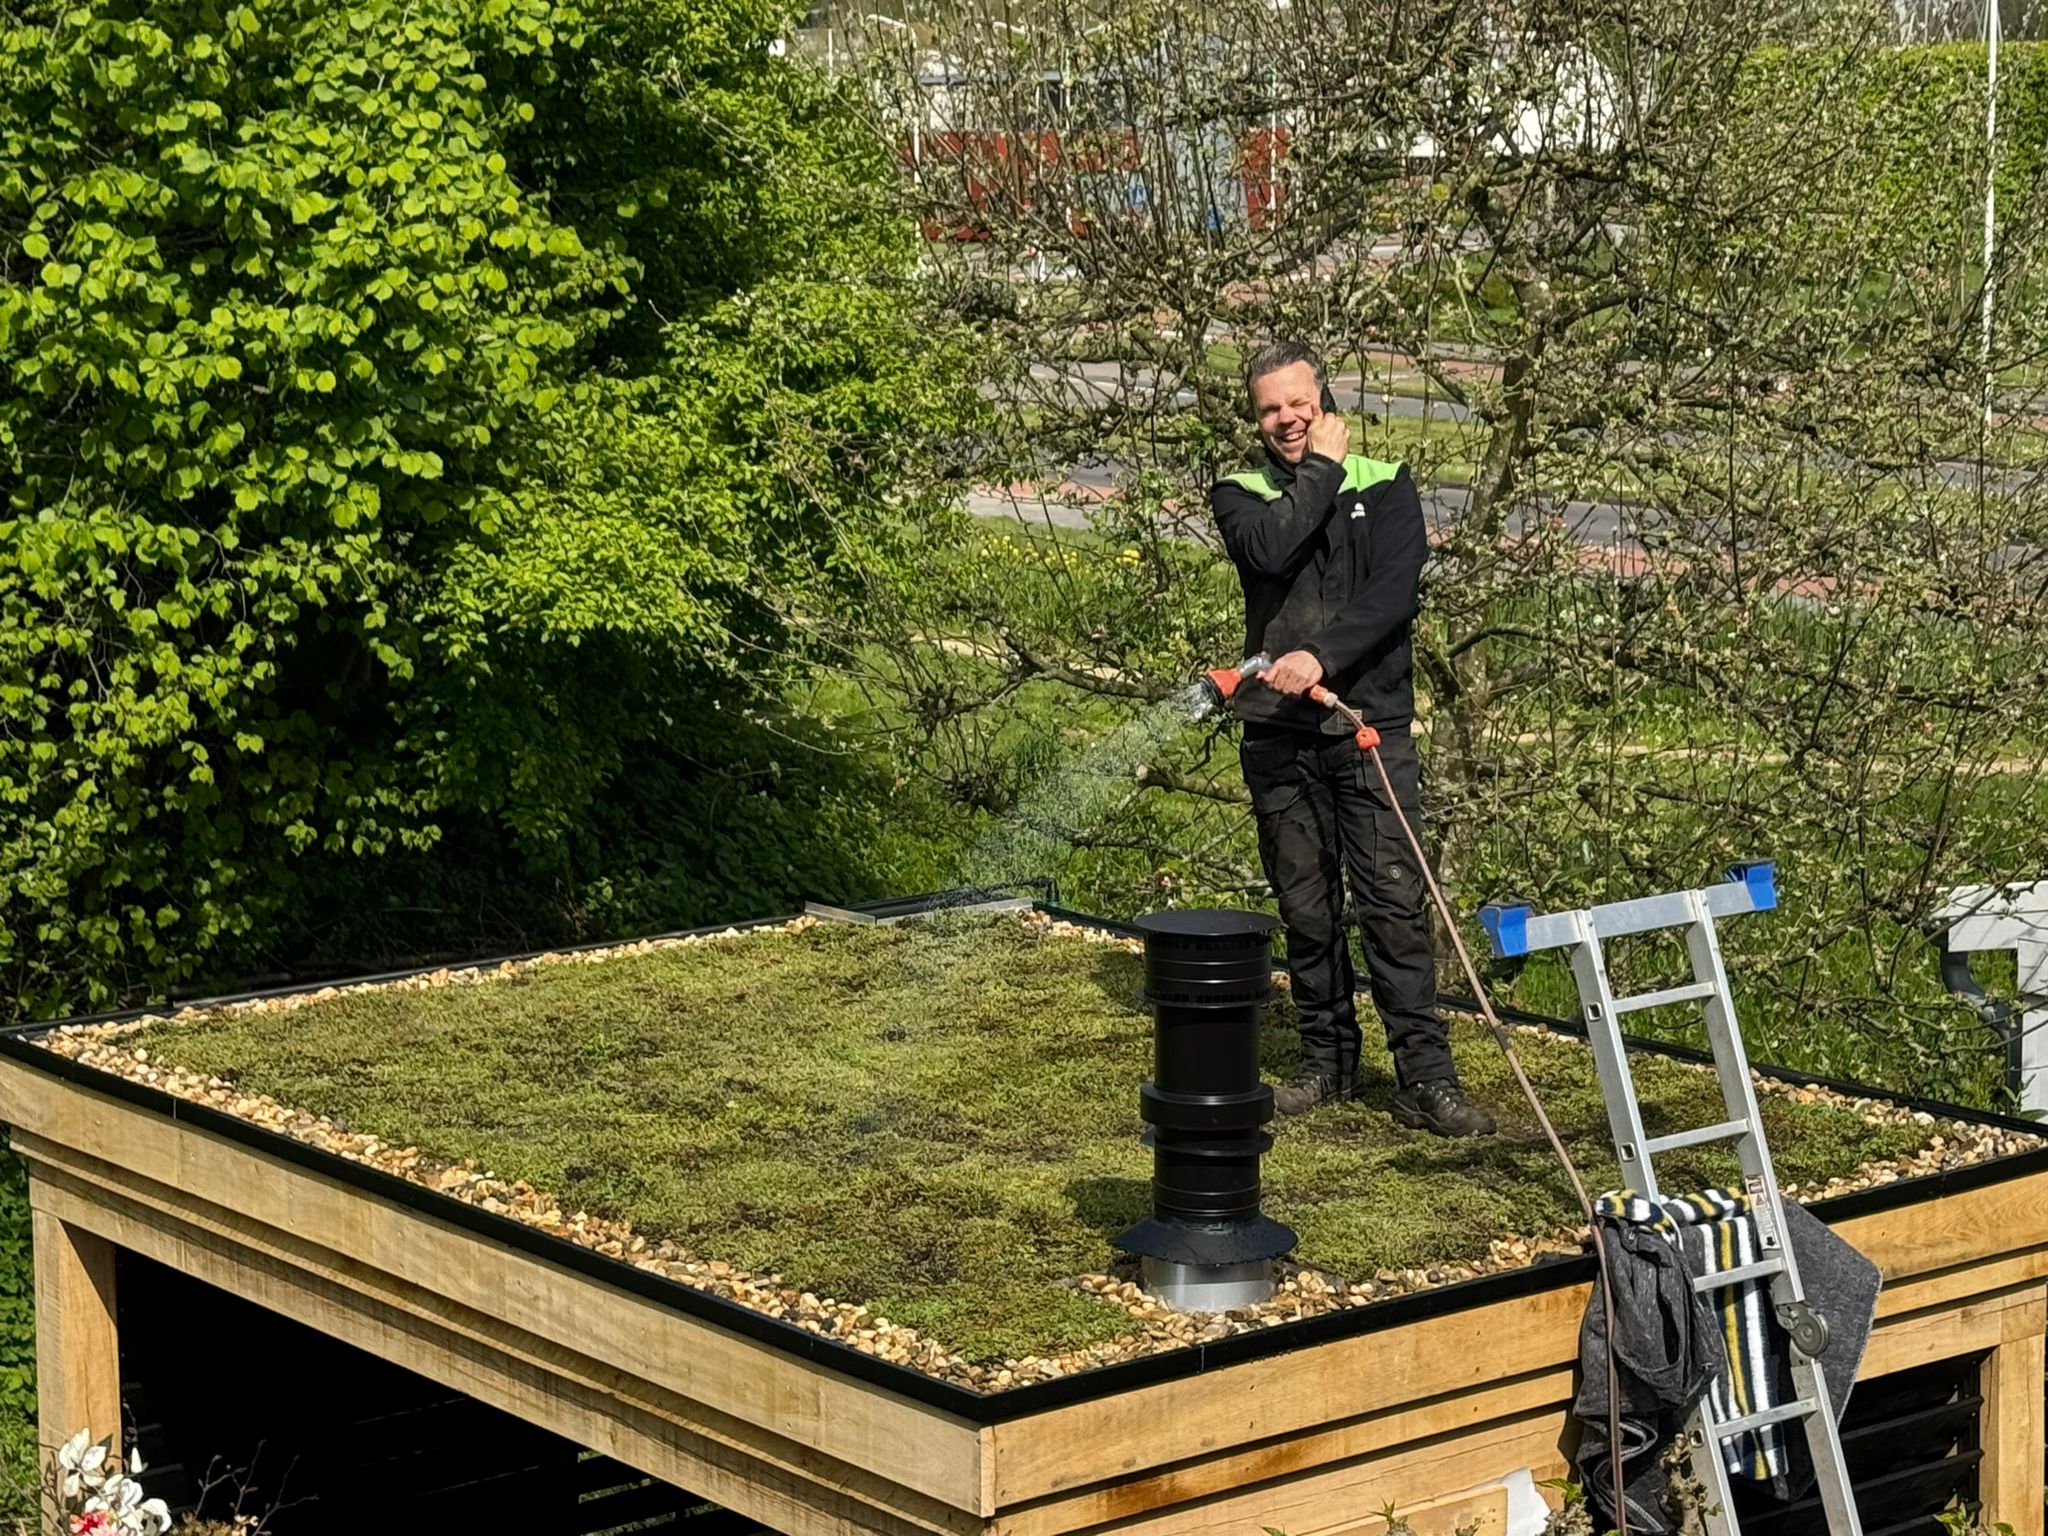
(1322, 812)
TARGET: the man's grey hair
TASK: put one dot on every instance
(1275, 355)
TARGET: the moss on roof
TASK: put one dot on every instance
(939, 1120)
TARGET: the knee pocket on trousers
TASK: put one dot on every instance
(1301, 865)
(1397, 880)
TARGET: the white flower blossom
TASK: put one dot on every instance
(89, 1480)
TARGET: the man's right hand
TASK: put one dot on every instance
(1330, 435)
(1296, 672)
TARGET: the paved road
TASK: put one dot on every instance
(1593, 523)
(1103, 382)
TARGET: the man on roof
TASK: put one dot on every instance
(1329, 547)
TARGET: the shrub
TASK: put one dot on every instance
(1921, 110)
(17, 1343)
(409, 410)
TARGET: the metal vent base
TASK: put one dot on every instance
(1208, 1287)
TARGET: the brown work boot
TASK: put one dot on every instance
(1440, 1107)
(1302, 1093)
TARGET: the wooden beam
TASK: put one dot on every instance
(78, 1356)
(2010, 1429)
(1404, 1475)
(1466, 1414)
(654, 1432)
(1941, 1333)
(1334, 1384)
(2008, 1217)
(1961, 1282)
(395, 1250)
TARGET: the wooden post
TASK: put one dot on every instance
(78, 1366)
(2010, 1430)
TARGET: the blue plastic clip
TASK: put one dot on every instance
(1761, 878)
(1507, 928)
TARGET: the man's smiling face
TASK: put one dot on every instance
(1285, 403)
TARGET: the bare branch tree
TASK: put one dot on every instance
(1663, 310)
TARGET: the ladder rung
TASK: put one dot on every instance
(1694, 1137)
(1729, 1428)
(1721, 1280)
(1692, 992)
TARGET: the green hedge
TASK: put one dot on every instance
(1920, 111)
(17, 1344)
(1933, 98)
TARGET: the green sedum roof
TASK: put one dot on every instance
(939, 1120)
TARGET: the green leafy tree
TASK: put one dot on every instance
(410, 411)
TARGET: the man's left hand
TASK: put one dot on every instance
(1296, 672)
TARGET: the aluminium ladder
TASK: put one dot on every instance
(1514, 931)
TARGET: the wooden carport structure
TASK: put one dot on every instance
(1426, 1402)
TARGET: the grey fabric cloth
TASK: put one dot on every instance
(1667, 1350)
(1666, 1332)
(1842, 1286)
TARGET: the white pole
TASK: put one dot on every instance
(1991, 30)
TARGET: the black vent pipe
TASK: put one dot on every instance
(1206, 1247)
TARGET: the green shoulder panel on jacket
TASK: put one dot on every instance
(1257, 481)
(1362, 474)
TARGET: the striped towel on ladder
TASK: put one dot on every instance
(1716, 1231)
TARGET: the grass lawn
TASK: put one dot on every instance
(939, 1120)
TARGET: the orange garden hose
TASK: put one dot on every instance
(1368, 740)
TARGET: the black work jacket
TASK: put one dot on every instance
(1330, 556)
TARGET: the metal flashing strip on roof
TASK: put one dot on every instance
(967, 904)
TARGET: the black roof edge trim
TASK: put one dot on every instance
(976, 1407)
(382, 978)
(1848, 1087)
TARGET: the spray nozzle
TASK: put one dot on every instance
(1222, 682)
